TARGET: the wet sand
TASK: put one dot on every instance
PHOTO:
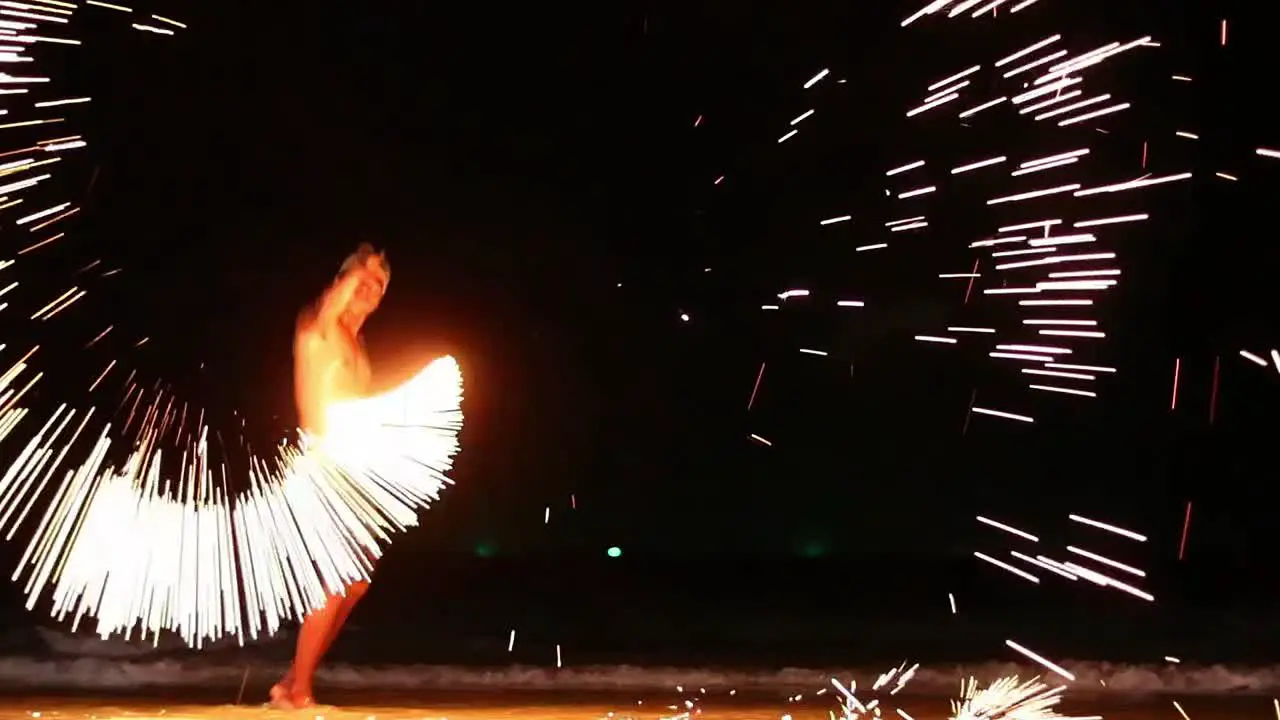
(503, 706)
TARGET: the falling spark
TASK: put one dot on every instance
(1048, 665)
(1108, 528)
(1186, 527)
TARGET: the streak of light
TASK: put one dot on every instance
(1020, 356)
(1006, 566)
(1046, 166)
(1187, 135)
(174, 23)
(1112, 220)
(1186, 527)
(978, 164)
(1106, 561)
(912, 226)
(1073, 333)
(1060, 97)
(850, 303)
(892, 223)
(1102, 580)
(756, 388)
(1094, 114)
(1177, 373)
(799, 119)
(1028, 50)
(932, 7)
(947, 91)
(1073, 107)
(1002, 414)
(958, 76)
(1047, 349)
(1034, 194)
(55, 103)
(1035, 63)
(1054, 158)
(918, 192)
(1043, 565)
(951, 598)
(1057, 86)
(1084, 368)
(788, 136)
(1058, 259)
(1039, 659)
(834, 220)
(761, 440)
(876, 246)
(1243, 353)
(988, 331)
(931, 105)
(1084, 323)
(152, 29)
(905, 168)
(979, 108)
(1054, 240)
(1182, 78)
(1008, 528)
(1054, 373)
(816, 78)
(820, 353)
(1107, 527)
(1046, 224)
(511, 640)
(936, 339)
(1266, 152)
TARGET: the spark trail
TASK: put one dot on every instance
(128, 519)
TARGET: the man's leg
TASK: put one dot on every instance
(295, 686)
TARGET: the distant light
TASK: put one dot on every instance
(684, 317)
(615, 552)
(486, 550)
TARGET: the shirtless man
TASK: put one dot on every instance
(330, 364)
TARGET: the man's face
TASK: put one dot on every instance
(369, 282)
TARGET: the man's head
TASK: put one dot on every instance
(361, 281)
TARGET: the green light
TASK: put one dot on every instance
(486, 550)
(615, 552)
(813, 549)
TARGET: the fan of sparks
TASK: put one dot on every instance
(1034, 284)
(150, 537)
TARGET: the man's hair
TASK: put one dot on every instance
(362, 256)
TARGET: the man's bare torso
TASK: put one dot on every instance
(329, 365)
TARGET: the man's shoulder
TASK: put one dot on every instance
(309, 330)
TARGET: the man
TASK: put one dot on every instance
(329, 365)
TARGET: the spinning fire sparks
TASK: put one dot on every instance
(1009, 699)
(143, 543)
(888, 685)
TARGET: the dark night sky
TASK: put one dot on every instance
(519, 162)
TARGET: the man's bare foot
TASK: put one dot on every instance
(281, 697)
(301, 698)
